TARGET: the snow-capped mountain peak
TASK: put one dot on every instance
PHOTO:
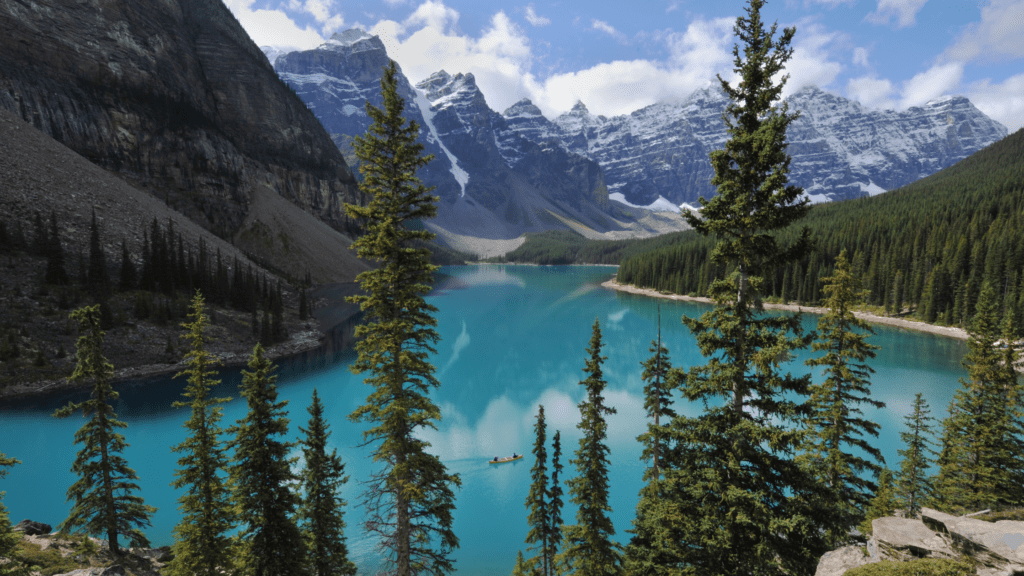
(348, 37)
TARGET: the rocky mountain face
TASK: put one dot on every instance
(175, 98)
(493, 182)
(840, 149)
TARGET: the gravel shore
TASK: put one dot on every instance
(958, 333)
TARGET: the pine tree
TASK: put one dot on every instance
(588, 547)
(555, 505)
(913, 486)
(522, 567)
(97, 279)
(410, 501)
(979, 462)
(303, 306)
(537, 499)
(322, 509)
(747, 505)
(8, 538)
(883, 504)
(652, 544)
(270, 543)
(201, 544)
(833, 424)
(103, 496)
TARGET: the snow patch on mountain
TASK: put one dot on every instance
(659, 205)
(348, 37)
(461, 176)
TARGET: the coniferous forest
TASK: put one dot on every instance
(924, 250)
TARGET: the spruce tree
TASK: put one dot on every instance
(979, 462)
(747, 505)
(537, 500)
(104, 500)
(97, 279)
(652, 545)
(883, 504)
(8, 538)
(554, 536)
(411, 499)
(522, 567)
(322, 511)
(588, 547)
(201, 543)
(913, 485)
(834, 425)
(658, 403)
(261, 477)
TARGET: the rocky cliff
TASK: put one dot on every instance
(174, 97)
(840, 149)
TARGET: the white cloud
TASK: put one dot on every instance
(673, 6)
(903, 11)
(433, 14)
(499, 59)
(273, 27)
(534, 19)
(860, 56)
(1002, 102)
(930, 84)
(998, 34)
(811, 64)
(872, 92)
(607, 29)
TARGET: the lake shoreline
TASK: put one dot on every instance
(958, 333)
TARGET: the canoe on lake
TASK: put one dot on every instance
(506, 459)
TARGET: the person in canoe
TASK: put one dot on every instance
(495, 458)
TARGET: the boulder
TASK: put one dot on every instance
(997, 547)
(837, 562)
(907, 538)
(161, 555)
(30, 528)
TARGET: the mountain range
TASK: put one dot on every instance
(493, 183)
(655, 157)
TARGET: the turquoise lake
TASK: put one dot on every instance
(512, 337)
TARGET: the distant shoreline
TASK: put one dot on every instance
(958, 333)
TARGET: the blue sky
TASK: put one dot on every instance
(620, 56)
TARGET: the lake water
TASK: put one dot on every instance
(512, 337)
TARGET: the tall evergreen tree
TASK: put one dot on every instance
(979, 463)
(588, 548)
(913, 485)
(8, 538)
(834, 424)
(883, 504)
(265, 503)
(537, 500)
(104, 499)
(411, 499)
(322, 510)
(746, 503)
(555, 504)
(201, 544)
(98, 278)
(652, 542)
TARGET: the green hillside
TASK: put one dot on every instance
(566, 247)
(924, 249)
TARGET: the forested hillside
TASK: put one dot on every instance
(923, 250)
(559, 247)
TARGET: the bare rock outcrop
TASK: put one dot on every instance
(996, 548)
